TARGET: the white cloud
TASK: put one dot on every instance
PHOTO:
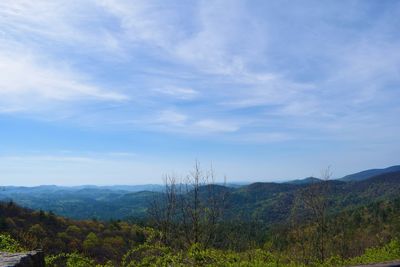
(226, 39)
(214, 126)
(208, 44)
(178, 92)
(264, 137)
(26, 83)
(48, 158)
(236, 58)
(70, 156)
(55, 24)
(141, 20)
(171, 118)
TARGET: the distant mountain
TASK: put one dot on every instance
(359, 176)
(136, 188)
(267, 202)
(54, 188)
(272, 202)
(308, 180)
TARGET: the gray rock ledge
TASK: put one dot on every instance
(25, 259)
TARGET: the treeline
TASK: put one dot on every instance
(192, 224)
(363, 235)
(313, 232)
(102, 241)
(341, 236)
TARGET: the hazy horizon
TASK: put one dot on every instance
(219, 180)
(120, 92)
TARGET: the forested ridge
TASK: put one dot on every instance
(322, 223)
(270, 202)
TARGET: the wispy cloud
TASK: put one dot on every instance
(177, 92)
(70, 156)
(27, 84)
(48, 158)
(209, 125)
(251, 66)
(171, 118)
(33, 78)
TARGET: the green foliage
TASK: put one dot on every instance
(55, 235)
(72, 260)
(8, 244)
(157, 255)
(91, 242)
(259, 230)
(269, 202)
(145, 255)
(196, 255)
(390, 251)
(37, 230)
(88, 203)
(100, 244)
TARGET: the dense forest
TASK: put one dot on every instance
(194, 222)
(269, 202)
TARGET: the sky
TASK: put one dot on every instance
(123, 92)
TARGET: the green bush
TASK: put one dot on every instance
(8, 244)
(72, 260)
(390, 251)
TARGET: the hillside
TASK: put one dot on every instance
(359, 176)
(272, 202)
(82, 203)
(256, 224)
(268, 202)
(54, 234)
(308, 180)
(369, 236)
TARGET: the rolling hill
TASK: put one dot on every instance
(268, 202)
(368, 174)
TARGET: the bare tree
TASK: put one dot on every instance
(315, 199)
(163, 209)
(188, 212)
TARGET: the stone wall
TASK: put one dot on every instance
(26, 259)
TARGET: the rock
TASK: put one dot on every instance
(384, 264)
(25, 259)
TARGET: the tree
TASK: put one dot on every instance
(189, 211)
(311, 203)
(38, 231)
(315, 198)
(91, 243)
(163, 210)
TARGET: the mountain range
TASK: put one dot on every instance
(269, 202)
(359, 176)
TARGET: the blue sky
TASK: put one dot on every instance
(122, 92)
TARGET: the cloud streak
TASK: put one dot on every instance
(26, 85)
(208, 67)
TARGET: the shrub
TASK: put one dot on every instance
(8, 244)
(390, 251)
